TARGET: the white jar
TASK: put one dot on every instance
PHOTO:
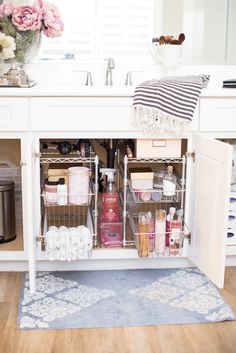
(78, 185)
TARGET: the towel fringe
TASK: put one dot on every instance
(152, 120)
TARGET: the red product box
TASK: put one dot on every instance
(110, 233)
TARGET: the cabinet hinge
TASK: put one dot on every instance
(190, 155)
(188, 237)
(37, 154)
(23, 164)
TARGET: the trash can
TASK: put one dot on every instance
(7, 211)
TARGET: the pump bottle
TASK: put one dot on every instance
(110, 199)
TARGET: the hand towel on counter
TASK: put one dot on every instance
(229, 83)
(167, 105)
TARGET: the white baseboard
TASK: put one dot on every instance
(83, 265)
(230, 261)
(122, 264)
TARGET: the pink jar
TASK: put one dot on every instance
(50, 188)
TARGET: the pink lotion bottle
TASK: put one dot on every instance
(175, 245)
(151, 232)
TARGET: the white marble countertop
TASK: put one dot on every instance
(72, 89)
(62, 80)
(67, 89)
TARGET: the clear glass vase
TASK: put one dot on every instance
(27, 47)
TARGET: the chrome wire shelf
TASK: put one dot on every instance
(69, 232)
(149, 200)
(69, 216)
(150, 195)
(70, 158)
(67, 246)
(155, 160)
(165, 244)
(80, 209)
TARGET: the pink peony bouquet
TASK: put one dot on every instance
(24, 24)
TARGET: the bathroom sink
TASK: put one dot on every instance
(75, 88)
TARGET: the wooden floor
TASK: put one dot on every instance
(202, 338)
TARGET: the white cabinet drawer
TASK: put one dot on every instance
(81, 114)
(232, 219)
(217, 114)
(13, 114)
(231, 236)
(232, 201)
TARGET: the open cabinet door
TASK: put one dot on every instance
(34, 210)
(210, 189)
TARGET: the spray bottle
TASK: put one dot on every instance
(110, 198)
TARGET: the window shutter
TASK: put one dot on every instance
(125, 28)
(78, 18)
(96, 29)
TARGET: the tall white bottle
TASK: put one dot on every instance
(61, 192)
(169, 182)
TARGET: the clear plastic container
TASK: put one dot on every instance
(158, 178)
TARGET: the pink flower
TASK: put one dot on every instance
(27, 18)
(40, 3)
(6, 10)
(53, 25)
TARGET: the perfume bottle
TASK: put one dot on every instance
(169, 218)
(143, 238)
(160, 232)
(175, 240)
(169, 182)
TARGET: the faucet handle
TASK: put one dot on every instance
(89, 80)
(110, 63)
(128, 79)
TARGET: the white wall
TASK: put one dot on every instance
(231, 33)
(204, 23)
(173, 12)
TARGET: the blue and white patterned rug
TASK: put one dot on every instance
(120, 298)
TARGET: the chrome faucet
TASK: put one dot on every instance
(110, 66)
(88, 81)
(128, 79)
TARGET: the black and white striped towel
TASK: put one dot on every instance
(167, 105)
